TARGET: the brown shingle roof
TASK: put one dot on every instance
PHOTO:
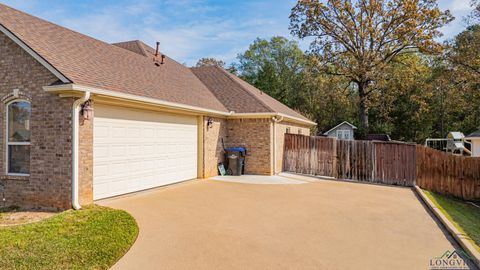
(91, 62)
(128, 67)
(238, 95)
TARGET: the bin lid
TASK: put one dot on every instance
(239, 149)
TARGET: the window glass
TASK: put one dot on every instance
(18, 137)
(19, 159)
(340, 134)
(19, 122)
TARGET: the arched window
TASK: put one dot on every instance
(18, 137)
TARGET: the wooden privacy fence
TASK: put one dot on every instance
(448, 174)
(366, 161)
(384, 162)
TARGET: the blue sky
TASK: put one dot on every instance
(187, 29)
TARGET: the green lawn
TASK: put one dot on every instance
(92, 238)
(464, 216)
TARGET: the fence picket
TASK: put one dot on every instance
(447, 174)
(384, 162)
(366, 161)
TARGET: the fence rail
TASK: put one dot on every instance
(365, 161)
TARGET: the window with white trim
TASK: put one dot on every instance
(343, 134)
(339, 134)
(18, 137)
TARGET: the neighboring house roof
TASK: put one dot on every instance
(94, 63)
(475, 134)
(344, 122)
(377, 137)
(239, 96)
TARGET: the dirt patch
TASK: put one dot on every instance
(11, 217)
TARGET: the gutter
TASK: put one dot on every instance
(119, 95)
(285, 117)
(75, 141)
(75, 88)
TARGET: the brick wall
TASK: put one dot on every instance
(256, 136)
(85, 161)
(213, 148)
(49, 183)
(280, 130)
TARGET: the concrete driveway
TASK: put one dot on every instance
(321, 225)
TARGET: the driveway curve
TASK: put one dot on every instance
(209, 224)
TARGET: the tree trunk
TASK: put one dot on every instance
(363, 109)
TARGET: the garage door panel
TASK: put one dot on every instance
(101, 170)
(136, 150)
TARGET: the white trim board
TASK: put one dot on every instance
(126, 96)
(71, 88)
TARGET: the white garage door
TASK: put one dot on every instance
(135, 150)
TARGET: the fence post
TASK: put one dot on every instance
(374, 162)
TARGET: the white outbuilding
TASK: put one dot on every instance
(342, 131)
(474, 139)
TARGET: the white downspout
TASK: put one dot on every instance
(275, 119)
(75, 126)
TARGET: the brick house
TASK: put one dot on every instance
(84, 120)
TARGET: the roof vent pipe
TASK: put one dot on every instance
(157, 49)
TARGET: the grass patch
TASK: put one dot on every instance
(464, 216)
(92, 238)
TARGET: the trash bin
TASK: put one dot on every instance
(235, 157)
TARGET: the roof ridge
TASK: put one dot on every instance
(206, 86)
(137, 43)
(140, 45)
(240, 96)
(229, 75)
